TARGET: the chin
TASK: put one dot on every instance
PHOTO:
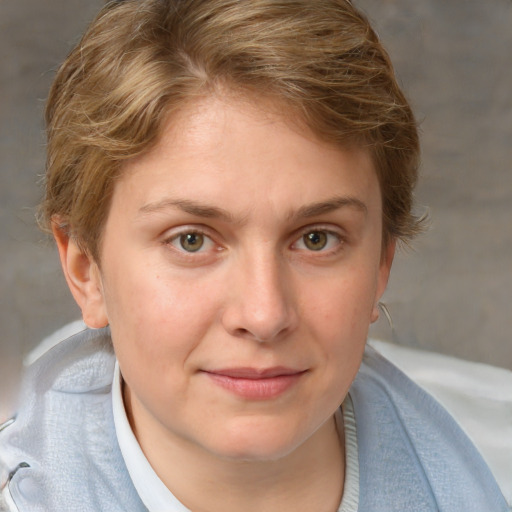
(263, 442)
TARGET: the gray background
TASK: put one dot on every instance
(452, 293)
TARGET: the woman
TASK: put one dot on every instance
(227, 181)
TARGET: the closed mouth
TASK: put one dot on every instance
(256, 384)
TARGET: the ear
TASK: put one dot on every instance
(388, 253)
(83, 277)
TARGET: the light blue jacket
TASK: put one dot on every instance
(61, 452)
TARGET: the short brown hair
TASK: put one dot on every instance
(141, 60)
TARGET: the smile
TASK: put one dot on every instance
(254, 384)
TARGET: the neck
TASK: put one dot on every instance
(309, 478)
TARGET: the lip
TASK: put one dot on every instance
(254, 383)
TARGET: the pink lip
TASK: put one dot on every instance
(256, 384)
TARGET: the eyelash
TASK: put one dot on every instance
(338, 241)
(175, 241)
(334, 242)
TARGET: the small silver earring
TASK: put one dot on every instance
(385, 310)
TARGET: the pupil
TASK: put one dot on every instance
(315, 240)
(192, 242)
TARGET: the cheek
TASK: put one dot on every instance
(344, 303)
(338, 317)
(157, 317)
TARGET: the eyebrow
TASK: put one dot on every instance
(198, 209)
(190, 207)
(330, 205)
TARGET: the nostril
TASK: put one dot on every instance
(247, 334)
(261, 334)
(241, 333)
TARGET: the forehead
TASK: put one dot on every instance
(226, 150)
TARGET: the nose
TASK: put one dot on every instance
(261, 304)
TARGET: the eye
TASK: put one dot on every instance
(318, 240)
(192, 241)
(315, 241)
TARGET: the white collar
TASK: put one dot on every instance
(158, 498)
(152, 491)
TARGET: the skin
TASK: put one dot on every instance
(289, 274)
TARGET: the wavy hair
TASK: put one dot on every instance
(142, 60)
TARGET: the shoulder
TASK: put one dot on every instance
(477, 396)
(63, 426)
(67, 367)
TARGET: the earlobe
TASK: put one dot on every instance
(375, 313)
(83, 277)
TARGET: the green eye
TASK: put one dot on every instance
(315, 240)
(191, 242)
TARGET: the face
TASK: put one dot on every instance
(240, 269)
